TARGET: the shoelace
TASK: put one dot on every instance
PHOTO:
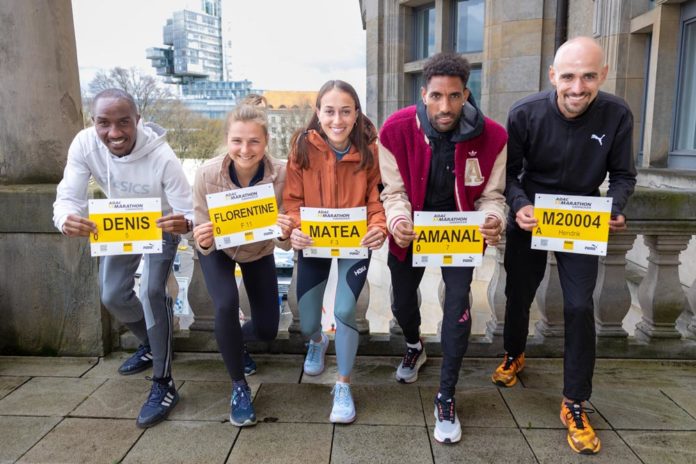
(575, 413)
(342, 395)
(314, 352)
(410, 358)
(445, 410)
(240, 396)
(157, 393)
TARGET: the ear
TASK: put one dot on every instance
(466, 94)
(137, 119)
(603, 74)
(424, 93)
(552, 75)
(317, 111)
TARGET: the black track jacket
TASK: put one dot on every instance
(548, 153)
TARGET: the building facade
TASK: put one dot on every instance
(650, 45)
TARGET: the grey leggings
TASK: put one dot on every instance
(150, 316)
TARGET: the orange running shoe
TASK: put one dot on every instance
(506, 374)
(581, 436)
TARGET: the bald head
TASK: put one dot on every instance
(577, 73)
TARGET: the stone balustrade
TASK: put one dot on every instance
(664, 220)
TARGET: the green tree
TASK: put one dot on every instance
(191, 135)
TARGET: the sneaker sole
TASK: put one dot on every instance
(161, 419)
(419, 365)
(512, 383)
(340, 420)
(135, 371)
(447, 440)
(250, 372)
(246, 423)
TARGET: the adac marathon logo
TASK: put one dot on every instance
(119, 205)
(230, 196)
(325, 214)
(568, 203)
(450, 220)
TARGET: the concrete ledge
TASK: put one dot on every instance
(662, 205)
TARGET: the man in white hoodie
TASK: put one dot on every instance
(130, 159)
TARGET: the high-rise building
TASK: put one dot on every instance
(195, 57)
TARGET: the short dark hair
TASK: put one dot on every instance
(117, 94)
(447, 64)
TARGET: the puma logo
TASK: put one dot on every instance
(598, 138)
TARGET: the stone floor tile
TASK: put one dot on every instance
(476, 407)
(540, 408)
(387, 405)
(35, 366)
(640, 408)
(283, 444)
(208, 401)
(9, 383)
(631, 373)
(277, 368)
(376, 370)
(293, 403)
(116, 398)
(551, 447)
(384, 444)
(662, 447)
(184, 442)
(684, 397)
(48, 396)
(484, 446)
(85, 440)
(107, 367)
(18, 434)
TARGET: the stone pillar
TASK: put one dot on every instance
(691, 298)
(48, 283)
(549, 298)
(199, 299)
(660, 293)
(496, 294)
(361, 313)
(612, 299)
(294, 328)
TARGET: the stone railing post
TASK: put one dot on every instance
(549, 298)
(496, 294)
(361, 312)
(660, 294)
(199, 299)
(612, 299)
(691, 298)
(294, 328)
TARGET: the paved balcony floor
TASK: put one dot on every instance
(75, 410)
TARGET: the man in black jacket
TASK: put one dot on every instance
(563, 141)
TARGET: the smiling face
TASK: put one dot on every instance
(444, 98)
(337, 114)
(246, 145)
(577, 73)
(115, 121)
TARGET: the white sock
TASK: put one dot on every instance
(418, 346)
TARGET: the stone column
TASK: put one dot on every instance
(660, 293)
(496, 294)
(549, 298)
(691, 298)
(612, 299)
(294, 328)
(48, 283)
(199, 299)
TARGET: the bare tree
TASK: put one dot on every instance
(145, 89)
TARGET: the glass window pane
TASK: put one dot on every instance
(474, 84)
(469, 26)
(686, 118)
(417, 82)
(423, 32)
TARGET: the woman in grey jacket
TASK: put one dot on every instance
(246, 164)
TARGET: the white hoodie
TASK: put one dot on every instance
(150, 170)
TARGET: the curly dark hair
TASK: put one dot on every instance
(447, 64)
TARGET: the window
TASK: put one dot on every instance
(468, 26)
(474, 84)
(417, 82)
(423, 32)
(683, 153)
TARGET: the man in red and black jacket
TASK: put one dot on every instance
(439, 155)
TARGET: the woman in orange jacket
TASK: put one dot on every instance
(333, 164)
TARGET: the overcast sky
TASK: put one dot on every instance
(277, 44)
